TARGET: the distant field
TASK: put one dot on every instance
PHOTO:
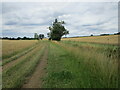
(111, 39)
(10, 47)
(86, 62)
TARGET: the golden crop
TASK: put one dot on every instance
(11, 46)
(111, 39)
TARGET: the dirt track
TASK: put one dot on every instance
(35, 80)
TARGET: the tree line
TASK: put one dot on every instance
(18, 38)
(36, 37)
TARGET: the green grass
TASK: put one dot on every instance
(14, 77)
(79, 67)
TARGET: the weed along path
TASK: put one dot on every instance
(35, 81)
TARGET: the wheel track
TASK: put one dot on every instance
(35, 80)
(25, 66)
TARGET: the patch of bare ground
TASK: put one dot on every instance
(35, 80)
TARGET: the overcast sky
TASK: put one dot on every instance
(82, 18)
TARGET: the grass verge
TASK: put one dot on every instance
(73, 67)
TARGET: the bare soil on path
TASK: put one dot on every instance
(35, 81)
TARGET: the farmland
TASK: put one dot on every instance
(110, 39)
(12, 47)
(86, 62)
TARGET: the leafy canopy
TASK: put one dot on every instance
(57, 30)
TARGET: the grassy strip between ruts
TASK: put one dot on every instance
(72, 68)
(17, 52)
(15, 76)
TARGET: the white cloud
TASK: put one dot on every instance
(61, 1)
(81, 18)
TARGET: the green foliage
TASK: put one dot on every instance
(41, 36)
(57, 30)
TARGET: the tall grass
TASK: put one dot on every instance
(80, 67)
(106, 61)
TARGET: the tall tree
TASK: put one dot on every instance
(57, 30)
(41, 36)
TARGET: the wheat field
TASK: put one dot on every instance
(10, 47)
(111, 39)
